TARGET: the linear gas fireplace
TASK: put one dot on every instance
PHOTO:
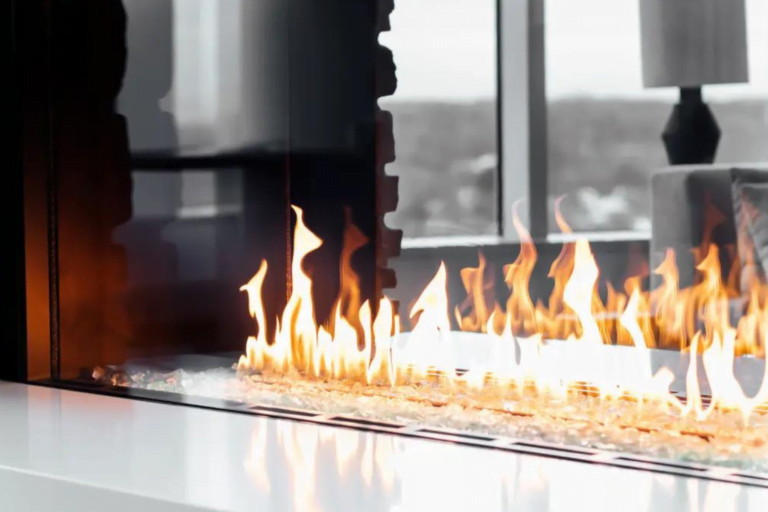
(211, 213)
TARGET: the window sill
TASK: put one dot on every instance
(479, 241)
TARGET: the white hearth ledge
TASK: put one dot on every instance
(63, 451)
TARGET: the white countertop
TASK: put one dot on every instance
(63, 451)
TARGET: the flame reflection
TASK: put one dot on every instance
(305, 467)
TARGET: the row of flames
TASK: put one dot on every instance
(358, 346)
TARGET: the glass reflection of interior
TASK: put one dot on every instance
(219, 230)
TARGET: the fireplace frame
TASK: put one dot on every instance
(17, 353)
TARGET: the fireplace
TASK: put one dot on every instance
(278, 296)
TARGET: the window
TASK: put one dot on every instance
(558, 82)
(604, 127)
(445, 117)
(573, 115)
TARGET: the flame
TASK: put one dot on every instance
(349, 295)
(639, 269)
(646, 382)
(580, 290)
(299, 343)
(431, 307)
(727, 393)
(386, 326)
(362, 343)
(428, 348)
(255, 358)
(476, 287)
(557, 321)
(670, 310)
(520, 307)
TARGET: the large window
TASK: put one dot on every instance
(573, 115)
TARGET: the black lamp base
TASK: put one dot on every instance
(691, 135)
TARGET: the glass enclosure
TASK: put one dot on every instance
(183, 133)
(458, 215)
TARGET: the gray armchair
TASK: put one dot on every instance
(691, 203)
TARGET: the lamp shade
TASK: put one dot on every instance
(690, 43)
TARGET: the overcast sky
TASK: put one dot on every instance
(445, 49)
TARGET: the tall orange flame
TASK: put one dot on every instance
(557, 321)
(520, 309)
(349, 304)
(476, 287)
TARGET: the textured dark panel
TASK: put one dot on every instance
(388, 241)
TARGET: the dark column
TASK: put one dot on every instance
(90, 184)
(13, 346)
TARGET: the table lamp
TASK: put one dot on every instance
(689, 44)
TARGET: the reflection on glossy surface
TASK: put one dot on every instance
(410, 476)
(323, 467)
(234, 462)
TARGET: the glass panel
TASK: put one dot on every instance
(182, 267)
(185, 130)
(445, 117)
